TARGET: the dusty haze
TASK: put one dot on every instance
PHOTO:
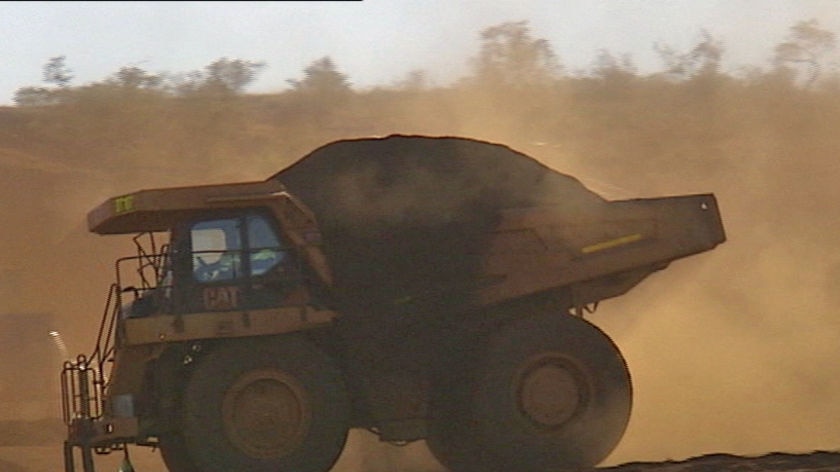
(734, 350)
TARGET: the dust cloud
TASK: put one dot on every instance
(734, 350)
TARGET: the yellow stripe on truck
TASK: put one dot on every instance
(630, 238)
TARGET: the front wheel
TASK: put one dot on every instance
(540, 393)
(267, 405)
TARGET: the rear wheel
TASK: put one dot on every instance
(271, 405)
(541, 393)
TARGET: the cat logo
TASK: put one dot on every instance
(221, 298)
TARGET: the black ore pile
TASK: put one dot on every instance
(404, 218)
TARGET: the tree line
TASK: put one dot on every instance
(509, 57)
(222, 77)
(517, 91)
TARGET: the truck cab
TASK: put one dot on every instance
(228, 260)
(231, 247)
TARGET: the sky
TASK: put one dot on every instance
(375, 42)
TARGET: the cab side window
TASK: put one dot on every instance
(266, 251)
(217, 250)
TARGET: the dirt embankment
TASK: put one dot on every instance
(818, 461)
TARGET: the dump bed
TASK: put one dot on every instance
(594, 256)
(419, 223)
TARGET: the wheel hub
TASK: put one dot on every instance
(266, 414)
(550, 391)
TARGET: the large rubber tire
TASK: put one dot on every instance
(546, 392)
(267, 405)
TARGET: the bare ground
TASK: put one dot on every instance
(41, 459)
(818, 461)
(37, 448)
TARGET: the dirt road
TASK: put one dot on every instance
(42, 459)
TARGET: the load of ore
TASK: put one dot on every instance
(404, 218)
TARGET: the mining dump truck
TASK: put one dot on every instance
(422, 288)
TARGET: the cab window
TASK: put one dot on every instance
(216, 250)
(265, 250)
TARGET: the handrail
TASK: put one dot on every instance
(84, 381)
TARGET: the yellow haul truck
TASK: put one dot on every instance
(418, 287)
